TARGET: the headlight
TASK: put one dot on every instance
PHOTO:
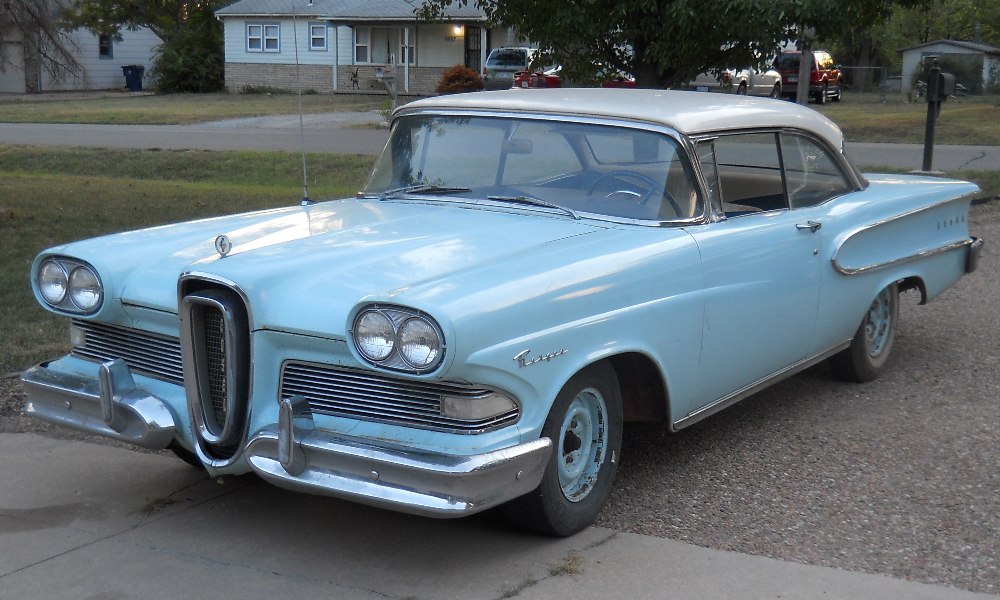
(419, 343)
(85, 289)
(374, 335)
(52, 282)
(399, 339)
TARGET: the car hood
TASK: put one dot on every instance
(304, 269)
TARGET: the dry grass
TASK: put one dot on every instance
(177, 109)
(972, 120)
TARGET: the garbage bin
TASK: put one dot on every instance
(133, 77)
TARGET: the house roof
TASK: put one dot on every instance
(985, 48)
(345, 10)
(687, 112)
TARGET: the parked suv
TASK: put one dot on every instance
(501, 65)
(824, 78)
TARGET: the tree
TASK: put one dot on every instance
(664, 42)
(191, 57)
(34, 24)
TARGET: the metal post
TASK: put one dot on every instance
(933, 106)
(406, 58)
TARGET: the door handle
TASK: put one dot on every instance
(811, 225)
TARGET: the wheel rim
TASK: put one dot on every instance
(582, 444)
(879, 323)
(741, 91)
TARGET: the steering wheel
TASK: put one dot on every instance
(642, 198)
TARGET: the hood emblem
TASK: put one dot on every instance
(223, 245)
(523, 360)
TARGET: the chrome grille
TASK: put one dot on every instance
(146, 353)
(375, 397)
(215, 353)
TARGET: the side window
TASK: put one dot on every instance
(706, 158)
(811, 174)
(749, 172)
(105, 47)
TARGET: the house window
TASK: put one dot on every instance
(384, 45)
(317, 37)
(263, 37)
(361, 44)
(105, 49)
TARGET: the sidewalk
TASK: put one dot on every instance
(80, 520)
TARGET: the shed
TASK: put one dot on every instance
(913, 56)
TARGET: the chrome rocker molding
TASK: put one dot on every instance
(111, 405)
(294, 455)
(727, 401)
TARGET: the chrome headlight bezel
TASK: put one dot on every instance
(67, 303)
(396, 360)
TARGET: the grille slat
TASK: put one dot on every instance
(218, 368)
(374, 397)
(146, 353)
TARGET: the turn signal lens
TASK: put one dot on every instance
(419, 343)
(52, 282)
(475, 409)
(374, 335)
(85, 289)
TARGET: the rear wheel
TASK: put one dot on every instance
(585, 426)
(823, 94)
(869, 352)
(839, 93)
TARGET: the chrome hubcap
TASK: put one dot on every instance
(878, 323)
(582, 444)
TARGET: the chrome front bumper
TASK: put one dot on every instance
(111, 405)
(294, 455)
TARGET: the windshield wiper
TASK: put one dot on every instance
(536, 202)
(420, 189)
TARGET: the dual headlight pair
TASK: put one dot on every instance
(69, 285)
(398, 339)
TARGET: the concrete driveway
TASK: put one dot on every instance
(87, 521)
(339, 133)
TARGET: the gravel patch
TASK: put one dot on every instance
(898, 476)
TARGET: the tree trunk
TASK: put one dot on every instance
(648, 76)
(864, 60)
(32, 63)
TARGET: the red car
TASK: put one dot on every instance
(825, 79)
(549, 78)
(620, 82)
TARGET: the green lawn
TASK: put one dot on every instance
(973, 120)
(49, 197)
(177, 109)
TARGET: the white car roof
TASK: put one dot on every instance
(687, 112)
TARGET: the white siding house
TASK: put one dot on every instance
(341, 43)
(913, 56)
(100, 57)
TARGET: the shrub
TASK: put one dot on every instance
(192, 61)
(459, 79)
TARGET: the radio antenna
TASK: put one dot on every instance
(302, 130)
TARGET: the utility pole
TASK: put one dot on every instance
(805, 64)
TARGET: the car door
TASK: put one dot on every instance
(761, 268)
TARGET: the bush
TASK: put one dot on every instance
(192, 61)
(459, 79)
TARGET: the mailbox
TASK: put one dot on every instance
(940, 89)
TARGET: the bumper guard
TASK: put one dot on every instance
(111, 405)
(294, 455)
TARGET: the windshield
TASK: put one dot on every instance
(507, 58)
(598, 169)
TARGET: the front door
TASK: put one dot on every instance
(761, 270)
(474, 48)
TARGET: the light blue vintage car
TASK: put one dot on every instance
(520, 275)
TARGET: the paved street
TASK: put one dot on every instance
(339, 133)
(80, 520)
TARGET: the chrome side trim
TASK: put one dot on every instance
(727, 401)
(897, 261)
(836, 252)
(391, 476)
(110, 405)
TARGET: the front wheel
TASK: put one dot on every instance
(869, 352)
(776, 92)
(742, 90)
(585, 426)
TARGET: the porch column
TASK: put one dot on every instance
(406, 58)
